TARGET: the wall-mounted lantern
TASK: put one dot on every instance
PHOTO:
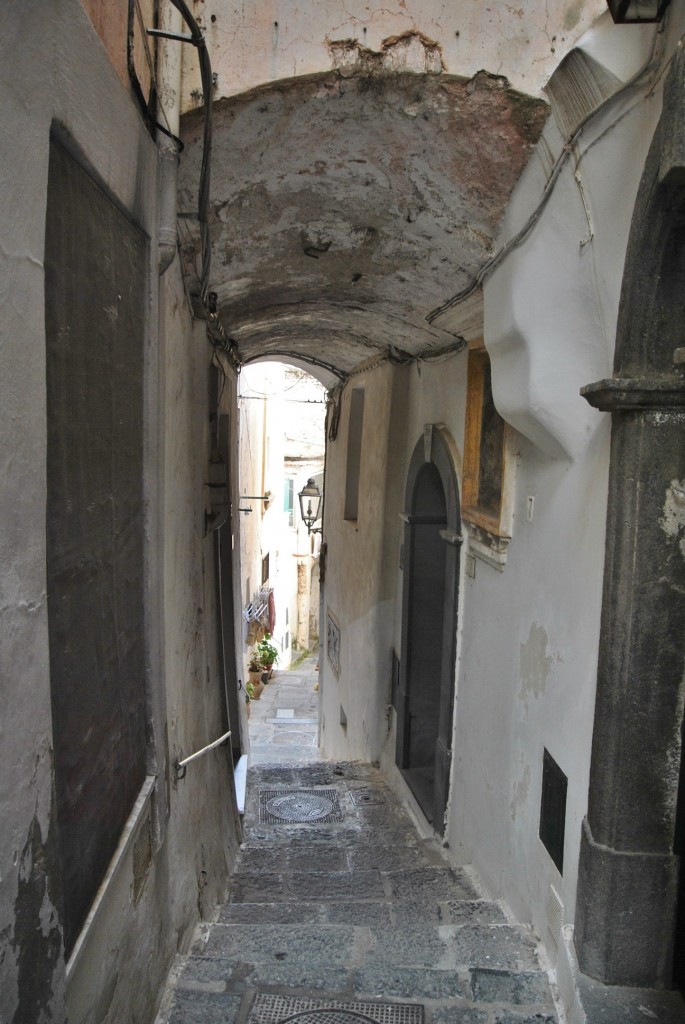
(636, 12)
(310, 505)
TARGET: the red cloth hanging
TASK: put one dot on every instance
(272, 612)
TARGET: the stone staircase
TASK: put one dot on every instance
(349, 918)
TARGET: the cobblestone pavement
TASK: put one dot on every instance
(284, 721)
(349, 917)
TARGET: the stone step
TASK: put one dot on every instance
(444, 947)
(371, 912)
(357, 910)
(210, 989)
(417, 887)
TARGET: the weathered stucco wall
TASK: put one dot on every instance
(56, 71)
(358, 590)
(203, 831)
(262, 448)
(264, 42)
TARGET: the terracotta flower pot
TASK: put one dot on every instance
(258, 689)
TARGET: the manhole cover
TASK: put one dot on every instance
(268, 1009)
(301, 806)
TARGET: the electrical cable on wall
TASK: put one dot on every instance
(491, 265)
(207, 300)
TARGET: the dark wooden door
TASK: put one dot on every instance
(426, 679)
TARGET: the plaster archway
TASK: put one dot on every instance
(346, 207)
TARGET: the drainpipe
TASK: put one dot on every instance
(633, 835)
(169, 71)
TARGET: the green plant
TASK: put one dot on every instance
(266, 652)
(255, 664)
(249, 692)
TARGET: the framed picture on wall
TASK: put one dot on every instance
(333, 642)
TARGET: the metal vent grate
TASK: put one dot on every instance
(555, 914)
(301, 806)
(269, 1009)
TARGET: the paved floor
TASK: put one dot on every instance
(350, 917)
(284, 721)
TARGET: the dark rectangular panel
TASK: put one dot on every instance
(354, 453)
(553, 809)
(95, 305)
(395, 681)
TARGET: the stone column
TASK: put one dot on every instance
(628, 877)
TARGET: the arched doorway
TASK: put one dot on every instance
(429, 617)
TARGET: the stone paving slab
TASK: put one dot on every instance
(359, 913)
(310, 977)
(256, 887)
(473, 911)
(531, 988)
(299, 738)
(335, 885)
(320, 859)
(265, 943)
(511, 1017)
(203, 1008)
(417, 946)
(271, 913)
(406, 982)
(431, 883)
(460, 1015)
(290, 721)
(507, 947)
(381, 857)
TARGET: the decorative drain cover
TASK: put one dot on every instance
(299, 806)
(366, 797)
(268, 1009)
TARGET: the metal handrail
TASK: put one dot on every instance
(180, 766)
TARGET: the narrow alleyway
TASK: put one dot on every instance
(284, 721)
(339, 911)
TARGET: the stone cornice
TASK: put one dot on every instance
(620, 394)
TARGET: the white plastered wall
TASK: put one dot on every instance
(55, 70)
(530, 635)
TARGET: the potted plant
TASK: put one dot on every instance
(255, 671)
(267, 653)
(249, 694)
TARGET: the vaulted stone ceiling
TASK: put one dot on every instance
(347, 207)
